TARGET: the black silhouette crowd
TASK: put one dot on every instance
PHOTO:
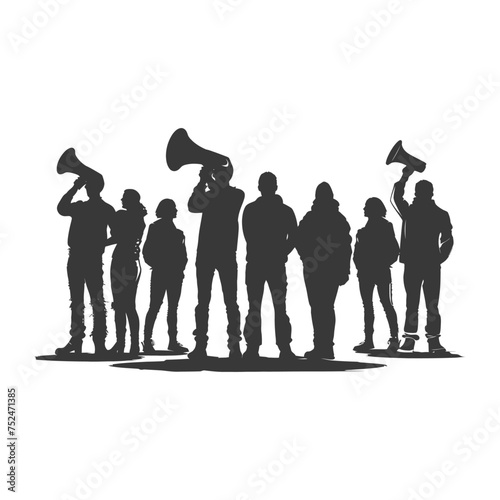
(322, 239)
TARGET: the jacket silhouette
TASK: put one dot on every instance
(165, 251)
(127, 228)
(324, 245)
(269, 227)
(86, 240)
(375, 251)
(220, 205)
(426, 242)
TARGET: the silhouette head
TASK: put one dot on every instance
(424, 190)
(166, 209)
(94, 186)
(268, 184)
(374, 208)
(324, 192)
(131, 198)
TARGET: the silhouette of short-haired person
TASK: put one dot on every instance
(269, 226)
(86, 240)
(220, 205)
(165, 251)
(127, 228)
(426, 242)
(376, 249)
(324, 245)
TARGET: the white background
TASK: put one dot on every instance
(373, 434)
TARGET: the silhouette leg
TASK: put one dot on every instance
(133, 317)
(385, 295)
(322, 293)
(228, 273)
(93, 278)
(157, 293)
(123, 300)
(204, 276)
(76, 282)
(431, 287)
(277, 281)
(366, 286)
(174, 288)
(413, 283)
(254, 280)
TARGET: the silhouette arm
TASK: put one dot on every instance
(65, 207)
(184, 258)
(345, 253)
(397, 200)
(147, 250)
(292, 233)
(446, 241)
(393, 247)
(198, 201)
(112, 240)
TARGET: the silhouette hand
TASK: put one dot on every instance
(407, 171)
(205, 174)
(343, 279)
(79, 183)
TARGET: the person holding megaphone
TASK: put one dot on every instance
(426, 242)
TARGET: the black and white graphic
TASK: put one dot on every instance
(248, 250)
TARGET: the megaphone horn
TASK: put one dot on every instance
(399, 155)
(69, 163)
(181, 150)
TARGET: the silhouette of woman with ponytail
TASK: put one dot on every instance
(127, 229)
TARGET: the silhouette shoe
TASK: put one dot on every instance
(365, 346)
(134, 348)
(235, 352)
(198, 353)
(286, 354)
(147, 347)
(74, 345)
(119, 347)
(393, 344)
(177, 347)
(252, 353)
(435, 346)
(408, 345)
(100, 347)
(318, 353)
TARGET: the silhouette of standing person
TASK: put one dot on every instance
(86, 240)
(127, 228)
(268, 226)
(324, 245)
(376, 249)
(220, 205)
(426, 242)
(165, 251)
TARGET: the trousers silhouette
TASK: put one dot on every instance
(384, 289)
(228, 274)
(164, 282)
(86, 269)
(428, 278)
(125, 276)
(256, 277)
(321, 293)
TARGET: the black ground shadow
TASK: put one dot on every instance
(262, 365)
(89, 357)
(383, 353)
(102, 357)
